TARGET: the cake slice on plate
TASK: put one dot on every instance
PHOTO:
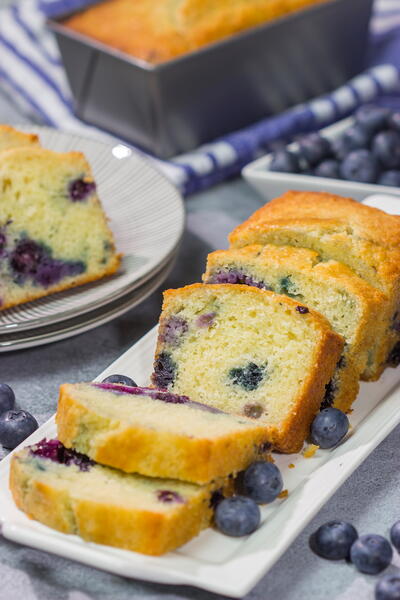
(53, 231)
(351, 305)
(248, 352)
(156, 433)
(68, 492)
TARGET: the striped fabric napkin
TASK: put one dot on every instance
(31, 73)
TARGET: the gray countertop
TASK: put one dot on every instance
(369, 499)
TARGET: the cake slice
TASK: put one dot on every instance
(68, 492)
(53, 232)
(248, 352)
(156, 433)
(365, 239)
(351, 305)
(12, 138)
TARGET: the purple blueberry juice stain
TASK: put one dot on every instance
(155, 394)
(164, 371)
(303, 310)
(235, 276)
(172, 330)
(167, 496)
(79, 189)
(32, 260)
(206, 320)
(56, 452)
(253, 411)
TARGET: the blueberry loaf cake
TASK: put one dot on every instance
(12, 138)
(68, 492)
(363, 238)
(350, 304)
(53, 232)
(248, 352)
(159, 31)
(156, 433)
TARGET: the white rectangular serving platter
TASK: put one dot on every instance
(272, 184)
(213, 561)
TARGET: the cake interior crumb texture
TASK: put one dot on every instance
(249, 352)
(106, 506)
(156, 433)
(53, 232)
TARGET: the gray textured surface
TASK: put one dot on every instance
(369, 499)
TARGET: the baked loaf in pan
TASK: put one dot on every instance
(248, 352)
(70, 493)
(365, 239)
(351, 305)
(156, 31)
(53, 231)
(156, 433)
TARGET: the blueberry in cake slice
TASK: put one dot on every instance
(12, 138)
(351, 305)
(248, 352)
(53, 232)
(68, 492)
(156, 433)
(365, 239)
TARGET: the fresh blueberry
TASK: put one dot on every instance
(391, 178)
(388, 588)
(285, 161)
(360, 165)
(333, 540)
(314, 148)
(371, 554)
(248, 377)
(7, 398)
(395, 535)
(122, 379)
(328, 168)
(354, 138)
(262, 482)
(394, 121)
(237, 516)
(329, 427)
(15, 426)
(372, 118)
(386, 148)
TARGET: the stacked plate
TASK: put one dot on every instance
(146, 214)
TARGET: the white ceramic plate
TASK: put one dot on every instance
(271, 184)
(70, 327)
(212, 561)
(146, 214)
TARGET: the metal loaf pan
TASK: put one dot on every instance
(177, 105)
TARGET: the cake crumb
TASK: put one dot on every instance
(291, 466)
(310, 450)
(283, 494)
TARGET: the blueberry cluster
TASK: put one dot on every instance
(15, 425)
(368, 151)
(370, 554)
(239, 515)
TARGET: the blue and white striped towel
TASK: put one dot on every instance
(32, 74)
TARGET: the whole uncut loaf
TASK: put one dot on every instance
(365, 239)
(159, 31)
(156, 433)
(68, 492)
(248, 352)
(351, 305)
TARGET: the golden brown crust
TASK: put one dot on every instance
(328, 348)
(112, 523)
(156, 32)
(11, 138)
(137, 448)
